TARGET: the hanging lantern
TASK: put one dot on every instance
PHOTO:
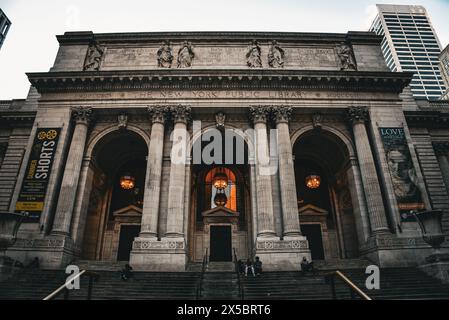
(127, 181)
(220, 180)
(220, 199)
(313, 181)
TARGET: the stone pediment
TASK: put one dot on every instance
(220, 212)
(311, 210)
(129, 211)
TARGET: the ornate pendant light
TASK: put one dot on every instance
(127, 181)
(220, 180)
(220, 199)
(313, 181)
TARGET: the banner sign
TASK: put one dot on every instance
(34, 186)
(402, 172)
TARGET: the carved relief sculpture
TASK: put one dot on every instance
(346, 57)
(276, 55)
(185, 55)
(93, 57)
(122, 121)
(253, 59)
(220, 118)
(164, 55)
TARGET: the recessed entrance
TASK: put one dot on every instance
(220, 243)
(127, 235)
(315, 238)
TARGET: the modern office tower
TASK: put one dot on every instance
(444, 68)
(4, 26)
(410, 44)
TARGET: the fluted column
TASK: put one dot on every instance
(69, 185)
(373, 195)
(265, 215)
(290, 217)
(442, 152)
(152, 193)
(175, 212)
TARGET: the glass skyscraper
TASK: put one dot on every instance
(4, 26)
(410, 44)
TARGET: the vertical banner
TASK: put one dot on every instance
(402, 172)
(34, 185)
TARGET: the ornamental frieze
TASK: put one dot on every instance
(158, 245)
(281, 245)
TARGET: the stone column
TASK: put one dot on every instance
(265, 216)
(442, 151)
(373, 195)
(290, 217)
(175, 212)
(69, 185)
(150, 212)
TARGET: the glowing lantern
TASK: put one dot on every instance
(220, 180)
(127, 182)
(313, 181)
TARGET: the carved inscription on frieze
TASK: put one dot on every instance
(311, 57)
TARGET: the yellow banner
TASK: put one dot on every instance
(29, 206)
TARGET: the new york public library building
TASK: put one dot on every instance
(161, 148)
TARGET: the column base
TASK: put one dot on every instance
(282, 255)
(168, 254)
(53, 252)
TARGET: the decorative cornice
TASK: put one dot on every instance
(357, 114)
(427, 118)
(203, 79)
(82, 115)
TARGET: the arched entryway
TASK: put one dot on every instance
(117, 169)
(218, 226)
(321, 161)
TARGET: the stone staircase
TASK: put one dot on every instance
(220, 286)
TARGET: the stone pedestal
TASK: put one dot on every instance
(439, 270)
(166, 255)
(282, 255)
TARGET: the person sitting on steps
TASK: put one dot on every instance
(249, 265)
(126, 272)
(307, 266)
(258, 266)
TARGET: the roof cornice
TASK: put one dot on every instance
(207, 79)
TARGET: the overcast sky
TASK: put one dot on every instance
(31, 46)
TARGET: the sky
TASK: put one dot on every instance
(31, 45)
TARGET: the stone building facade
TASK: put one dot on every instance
(317, 106)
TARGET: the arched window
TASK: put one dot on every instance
(230, 190)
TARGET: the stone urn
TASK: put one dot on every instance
(432, 232)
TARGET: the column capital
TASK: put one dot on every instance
(181, 113)
(357, 114)
(259, 113)
(281, 113)
(82, 115)
(158, 113)
(441, 147)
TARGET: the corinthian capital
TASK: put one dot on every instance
(181, 113)
(158, 114)
(281, 113)
(82, 114)
(357, 114)
(441, 147)
(259, 113)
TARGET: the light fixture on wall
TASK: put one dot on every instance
(127, 181)
(220, 198)
(313, 181)
(220, 180)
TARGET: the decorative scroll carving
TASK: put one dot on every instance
(441, 148)
(281, 113)
(220, 118)
(185, 55)
(82, 114)
(253, 55)
(164, 55)
(122, 121)
(346, 57)
(276, 55)
(280, 245)
(357, 114)
(259, 113)
(181, 113)
(94, 57)
(158, 245)
(158, 114)
(317, 119)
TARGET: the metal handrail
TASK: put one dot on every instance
(239, 281)
(199, 287)
(63, 288)
(353, 289)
